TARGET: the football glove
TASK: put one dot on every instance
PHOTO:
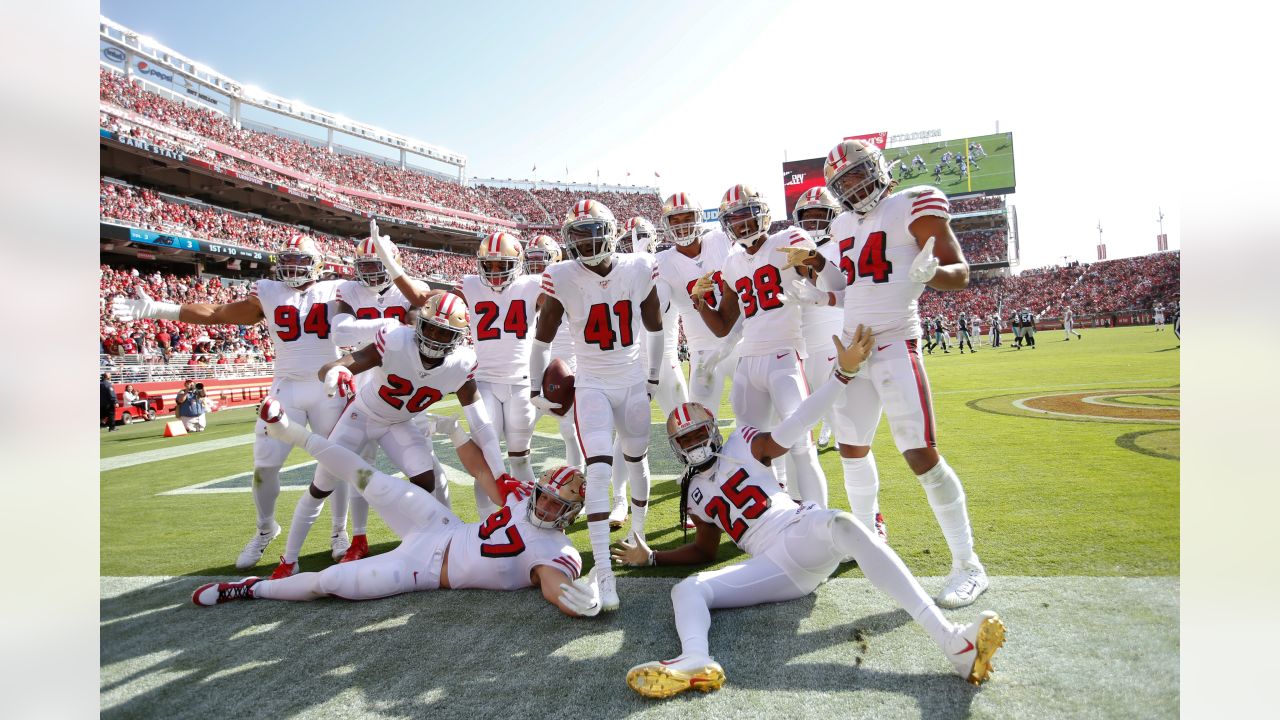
(509, 487)
(582, 595)
(703, 285)
(339, 381)
(143, 308)
(543, 403)
(797, 255)
(925, 265)
(633, 554)
(806, 294)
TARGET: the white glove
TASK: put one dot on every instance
(542, 403)
(582, 595)
(925, 266)
(126, 310)
(339, 381)
(805, 293)
(386, 253)
(706, 371)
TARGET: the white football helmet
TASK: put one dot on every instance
(558, 496)
(499, 260)
(542, 251)
(369, 268)
(299, 261)
(857, 175)
(638, 235)
(589, 232)
(682, 219)
(693, 434)
(744, 215)
(814, 211)
(440, 325)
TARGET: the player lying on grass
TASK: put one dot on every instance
(521, 545)
(728, 487)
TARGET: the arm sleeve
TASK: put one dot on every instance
(484, 435)
(831, 278)
(655, 344)
(539, 354)
(789, 431)
(348, 331)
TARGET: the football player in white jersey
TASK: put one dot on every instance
(415, 368)
(887, 242)
(543, 251)
(794, 548)
(296, 309)
(1069, 325)
(820, 312)
(769, 381)
(696, 251)
(639, 236)
(521, 545)
(600, 293)
(504, 303)
(363, 306)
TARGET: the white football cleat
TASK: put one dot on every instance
(971, 648)
(339, 542)
(824, 437)
(963, 586)
(618, 514)
(218, 593)
(252, 552)
(608, 589)
(664, 678)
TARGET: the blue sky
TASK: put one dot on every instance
(715, 93)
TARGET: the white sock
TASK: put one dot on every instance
(305, 514)
(882, 566)
(484, 506)
(638, 482)
(521, 468)
(946, 497)
(266, 488)
(618, 480)
(572, 453)
(599, 478)
(359, 514)
(298, 588)
(693, 617)
(808, 478)
(862, 485)
(338, 503)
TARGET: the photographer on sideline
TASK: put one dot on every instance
(107, 402)
(190, 402)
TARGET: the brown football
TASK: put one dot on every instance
(557, 385)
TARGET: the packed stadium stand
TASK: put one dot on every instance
(1107, 288)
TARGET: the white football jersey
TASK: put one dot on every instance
(370, 305)
(299, 325)
(500, 552)
(876, 251)
(768, 324)
(562, 343)
(603, 314)
(403, 386)
(502, 326)
(742, 496)
(670, 317)
(678, 273)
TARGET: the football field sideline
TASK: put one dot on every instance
(1101, 647)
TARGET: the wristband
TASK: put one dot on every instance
(653, 558)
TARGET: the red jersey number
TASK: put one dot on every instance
(316, 322)
(599, 328)
(751, 500)
(398, 388)
(760, 291)
(510, 546)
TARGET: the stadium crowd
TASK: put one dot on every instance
(157, 341)
(984, 246)
(1110, 286)
(975, 204)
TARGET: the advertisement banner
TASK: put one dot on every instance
(143, 145)
(880, 139)
(798, 176)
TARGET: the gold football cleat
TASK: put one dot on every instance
(663, 679)
(990, 638)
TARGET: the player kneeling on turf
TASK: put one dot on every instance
(728, 487)
(521, 545)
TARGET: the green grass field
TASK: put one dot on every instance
(1075, 516)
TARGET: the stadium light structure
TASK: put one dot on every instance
(179, 69)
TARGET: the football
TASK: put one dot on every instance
(557, 385)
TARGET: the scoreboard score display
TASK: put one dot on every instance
(987, 167)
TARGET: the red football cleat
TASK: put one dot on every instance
(284, 569)
(359, 549)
